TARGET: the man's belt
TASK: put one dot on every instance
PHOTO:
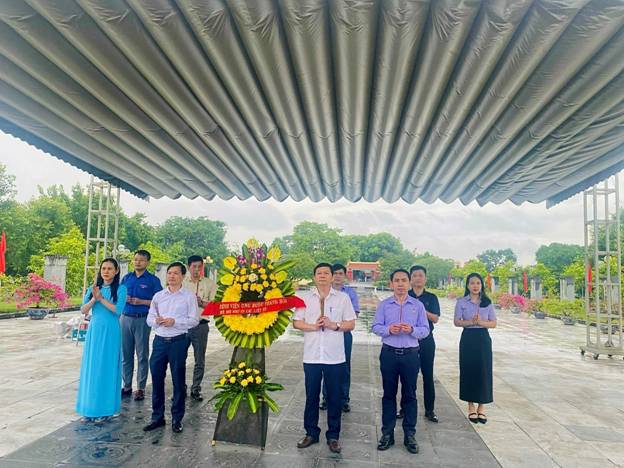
(400, 351)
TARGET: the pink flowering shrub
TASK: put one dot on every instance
(506, 301)
(40, 292)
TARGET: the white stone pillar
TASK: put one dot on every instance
(55, 269)
(161, 273)
(536, 288)
(123, 268)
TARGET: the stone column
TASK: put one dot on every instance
(536, 288)
(493, 279)
(512, 286)
(55, 269)
(123, 268)
(161, 273)
(566, 288)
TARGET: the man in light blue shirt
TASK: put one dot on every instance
(172, 312)
(401, 321)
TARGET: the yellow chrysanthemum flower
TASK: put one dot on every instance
(253, 266)
(273, 284)
(258, 380)
(273, 294)
(274, 253)
(229, 262)
(244, 383)
(261, 271)
(227, 279)
(246, 287)
(253, 324)
(264, 277)
(241, 373)
(248, 371)
(231, 294)
(243, 271)
(256, 371)
(270, 266)
(241, 365)
(232, 379)
(280, 276)
(265, 284)
(222, 381)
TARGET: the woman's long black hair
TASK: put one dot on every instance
(115, 283)
(485, 300)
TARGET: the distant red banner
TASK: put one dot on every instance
(261, 307)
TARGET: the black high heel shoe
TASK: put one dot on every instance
(475, 419)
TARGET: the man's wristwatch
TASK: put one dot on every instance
(338, 325)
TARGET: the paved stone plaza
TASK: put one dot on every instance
(552, 407)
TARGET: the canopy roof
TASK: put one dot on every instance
(394, 99)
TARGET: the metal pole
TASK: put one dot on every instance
(88, 235)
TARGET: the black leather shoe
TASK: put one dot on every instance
(323, 405)
(306, 442)
(431, 416)
(154, 425)
(410, 444)
(334, 446)
(177, 426)
(385, 442)
(400, 414)
(126, 392)
(346, 408)
(197, 396)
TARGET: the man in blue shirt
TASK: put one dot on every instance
(135, 331)
(338, 283)
(400, 321)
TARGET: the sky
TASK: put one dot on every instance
(447, 230)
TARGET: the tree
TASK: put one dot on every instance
(437, 268)
(161, 255)
(403, 259)
(374, 247)
(198, 236)
(504, 272)
(134, 230)
(557, 256)
(7, 185)
(471, 266)
(317, 242)
(550, 283)
(71, 244)
(492, 258)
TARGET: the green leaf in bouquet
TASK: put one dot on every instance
(270, 403)
(252, 401)
(234, 406)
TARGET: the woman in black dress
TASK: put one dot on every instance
(475, 314)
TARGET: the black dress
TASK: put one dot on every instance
(475, 355)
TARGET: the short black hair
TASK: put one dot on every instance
(194, 258)
(324, 265)
(418, 268)
(399, 270)
(144, 253)
(177, 264)
(339, 266)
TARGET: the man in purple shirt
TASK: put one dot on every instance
(401, 321)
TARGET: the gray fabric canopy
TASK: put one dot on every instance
(397, 99)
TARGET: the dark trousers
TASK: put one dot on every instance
(399, 364)
(427, 356)
(332, 374)
(346, 381)
(198, 337)
(171, 351)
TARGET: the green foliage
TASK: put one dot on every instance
(312, 243)
(7, 185)
(557, 256)
(404, 259)
(471, 266)
(550, 282)
(437, 268)
(71, 244)
(558, 308)
(494, 258)
(504, 272)
(161, 255)
(198, 236)
(373, 247)
(134, 230)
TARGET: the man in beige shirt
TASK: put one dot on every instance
(204, 289)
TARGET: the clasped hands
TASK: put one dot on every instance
(398, 328)
(476, 320)
(165, 322)
(325, 322)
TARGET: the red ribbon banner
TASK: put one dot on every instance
(259, 307)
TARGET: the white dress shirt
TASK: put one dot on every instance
(324, 346)
(205, 288)
(180, 305)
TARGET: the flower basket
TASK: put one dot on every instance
(253, 307)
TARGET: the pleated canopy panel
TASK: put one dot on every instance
(485, 101)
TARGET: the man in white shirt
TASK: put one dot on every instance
(204, 290)
(327, 315)
(172, 312)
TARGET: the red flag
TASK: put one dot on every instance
(590, 287)
(525, 281)
(488, 281)
(2, 253)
